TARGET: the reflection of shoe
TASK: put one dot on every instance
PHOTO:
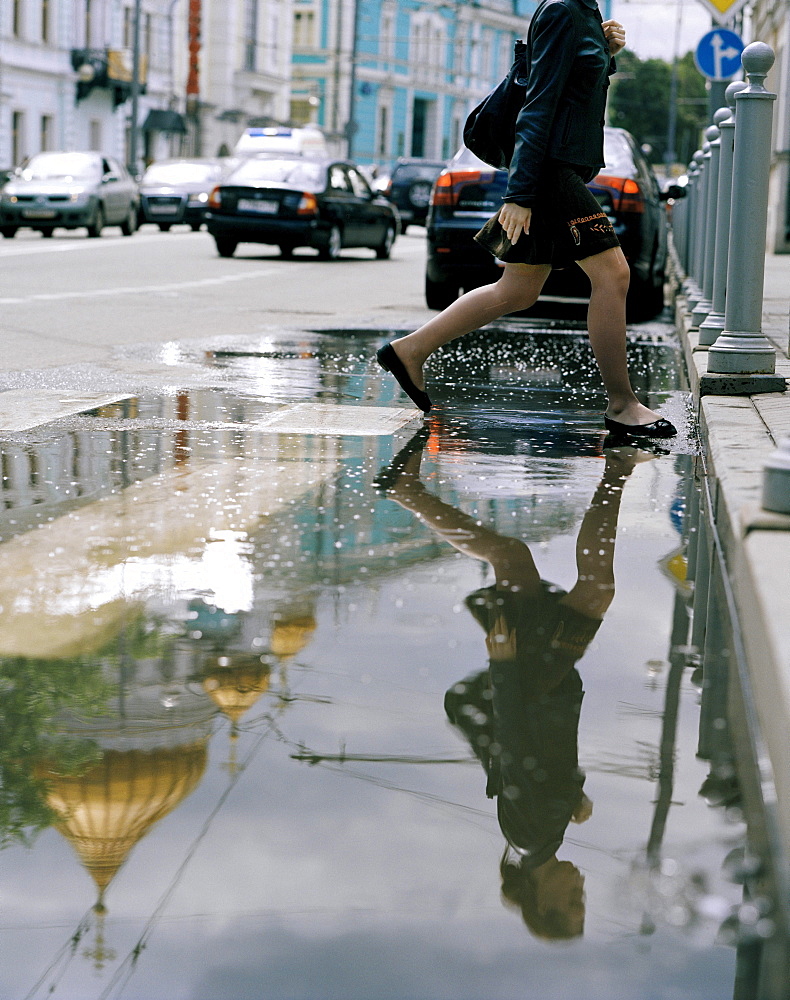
(619, 441)
(660, 428)
(390, 474)
(391, 363)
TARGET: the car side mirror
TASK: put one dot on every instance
(673, 192)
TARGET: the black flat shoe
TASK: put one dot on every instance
(390, 474)
(660, 428)
(391, 363)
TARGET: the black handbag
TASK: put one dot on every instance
(490, 129)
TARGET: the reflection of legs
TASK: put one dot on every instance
(517, 289)
(593, 591)
(510, 558)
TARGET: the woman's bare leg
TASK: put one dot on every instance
(517, 289)
(609, 276)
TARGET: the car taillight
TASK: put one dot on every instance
(215, 198)
(449, 183)
(307, 205)
(627, 195)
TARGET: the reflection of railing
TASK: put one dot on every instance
(761, 927)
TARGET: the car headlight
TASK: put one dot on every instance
(78, 195)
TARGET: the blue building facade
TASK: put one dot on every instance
(390, 78)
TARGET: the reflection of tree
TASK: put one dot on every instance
(34, 692)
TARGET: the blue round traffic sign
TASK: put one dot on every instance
(718, 55)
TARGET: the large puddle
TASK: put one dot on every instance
(278, 724)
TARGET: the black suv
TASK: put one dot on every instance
(468, 192)
(409, 188)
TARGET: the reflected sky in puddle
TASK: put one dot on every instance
(254, 703)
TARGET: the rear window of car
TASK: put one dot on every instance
(617, 154)
(61, 166)
(303, 174)
(180, 173)
(417, 171)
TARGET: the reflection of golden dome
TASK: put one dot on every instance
(106, 810)
(290, 637)
(235, 683)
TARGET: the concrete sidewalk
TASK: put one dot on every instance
(738, 435)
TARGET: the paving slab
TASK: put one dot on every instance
(21, 410)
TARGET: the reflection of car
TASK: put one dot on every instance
(469, 192)
(409, 188)
(173, 191)
(69, 190)
(294, 201)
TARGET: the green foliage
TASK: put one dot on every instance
(32, 693)
(640, 102)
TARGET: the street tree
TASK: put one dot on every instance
(640, 103)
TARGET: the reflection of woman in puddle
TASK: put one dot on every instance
(521, 715)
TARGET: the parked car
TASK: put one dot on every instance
(69, 189)
(295, 201)
(173, 191)
(468, 192)
(409, 188)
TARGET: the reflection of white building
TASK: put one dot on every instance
(771, 24)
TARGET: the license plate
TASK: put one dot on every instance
(162, 209)
(262, 207)
(38, 213)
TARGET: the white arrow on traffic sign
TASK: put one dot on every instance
(720, 54)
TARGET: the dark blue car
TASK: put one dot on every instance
(468, 192)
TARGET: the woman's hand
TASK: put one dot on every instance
(615, 36)
(514, 219)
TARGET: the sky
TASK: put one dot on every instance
(651, 25)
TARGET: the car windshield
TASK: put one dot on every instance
(181, 173)
(417, 171)
(61, 166)
(307, 175)
(617, 154)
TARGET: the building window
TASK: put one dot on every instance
(94, 135)
(17, 137)
(387, 36)
(47, 128)
(304, 29)
(250, 34)
(88, 23)
(384, 127)
(128, 27)
(46, 12)
(16, 19)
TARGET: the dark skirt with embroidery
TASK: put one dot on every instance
(567, 224)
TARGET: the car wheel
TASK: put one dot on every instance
(286, 251)
(47, 232)
(9, 232)
(440, 294)
(129, 225)
(195, 227)
(384, 249)
(226, 245)
(165, 227)
(95, 228)
(645, 299)
(331, 249)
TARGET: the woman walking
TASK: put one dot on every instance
(549, 217)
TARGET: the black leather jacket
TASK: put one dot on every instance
(563, 114)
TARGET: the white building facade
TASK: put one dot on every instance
(207, 68)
